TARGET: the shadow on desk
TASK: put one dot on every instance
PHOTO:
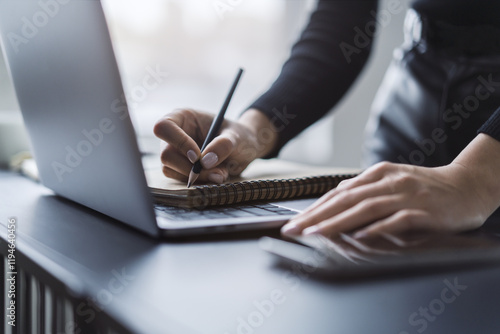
(347, 260)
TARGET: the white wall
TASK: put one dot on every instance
(8, 100)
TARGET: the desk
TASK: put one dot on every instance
(76, 261)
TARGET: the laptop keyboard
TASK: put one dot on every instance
(259, 209)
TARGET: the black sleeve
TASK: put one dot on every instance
(323, 64)
(492, 126)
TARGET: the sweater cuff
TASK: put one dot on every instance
(492, 126)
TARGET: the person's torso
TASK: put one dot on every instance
(461, 12)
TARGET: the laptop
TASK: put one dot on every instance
(60, 58)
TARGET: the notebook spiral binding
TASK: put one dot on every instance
(265, 190)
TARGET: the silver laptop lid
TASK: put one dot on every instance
(61, 61)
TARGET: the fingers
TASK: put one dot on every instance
(401, 221)
(177, 166)
(214, 168)
(175, 160)
(359, 215)
(168, 172)
(344, 185)
(356, 202)
(335, 203)
(183, 131)
(389, 199)
(371, 175)
(171, 130)
(214, 175)
(321, 201)
(218, 151)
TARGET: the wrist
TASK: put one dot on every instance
(264, 133)
(481, 161)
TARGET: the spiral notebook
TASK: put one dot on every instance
(259, 182)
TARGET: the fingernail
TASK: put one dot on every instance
(192, 156)
(209, 160)
(310, 230)
(290, 229)
(215, 178)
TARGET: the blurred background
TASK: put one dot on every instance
(198, 46)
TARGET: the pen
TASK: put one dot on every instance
(214, 130)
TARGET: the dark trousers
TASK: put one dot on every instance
(431, 102)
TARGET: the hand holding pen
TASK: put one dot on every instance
(214, 130)
(227, 154)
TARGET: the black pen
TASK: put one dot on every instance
(214, 130)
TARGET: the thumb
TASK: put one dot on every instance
(218, 150)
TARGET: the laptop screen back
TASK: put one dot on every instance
(63, 68)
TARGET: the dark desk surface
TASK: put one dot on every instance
(224, 286)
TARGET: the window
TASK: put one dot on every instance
(196, 47)
(200, 44)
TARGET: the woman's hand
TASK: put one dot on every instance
(238, 144)
(392, 198)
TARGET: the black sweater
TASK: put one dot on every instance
(322, 67)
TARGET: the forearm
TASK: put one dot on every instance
(322, 66)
